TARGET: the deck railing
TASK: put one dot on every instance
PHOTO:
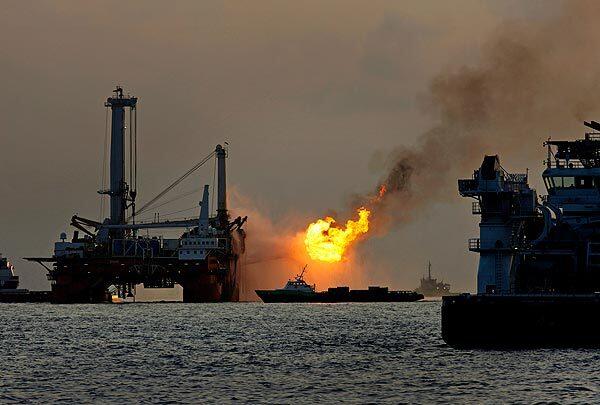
(562, 164)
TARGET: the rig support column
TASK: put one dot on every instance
(222, 216)
(204, 214)
(118, 188)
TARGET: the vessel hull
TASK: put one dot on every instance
(11, 284)
(275, 296)
(18, 295)
(521, 321)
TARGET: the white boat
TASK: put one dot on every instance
(8, 280)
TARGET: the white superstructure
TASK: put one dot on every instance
(298, 284)
(502, 199)
(8, 280)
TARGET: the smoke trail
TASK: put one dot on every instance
(533, 80)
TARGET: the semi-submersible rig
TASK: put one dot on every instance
(538, 281)
(206, 260)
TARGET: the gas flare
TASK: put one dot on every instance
(327, 243)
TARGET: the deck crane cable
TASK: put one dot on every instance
(175, 183)
(165, 216)
(149, 219)
(174, 199)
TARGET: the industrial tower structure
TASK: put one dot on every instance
(206, 260)
(504, 201)
(120, 192)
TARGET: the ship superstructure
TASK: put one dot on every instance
(538, 280)
(205, 260)
(297, 284)
(547, 245)
(8, 280)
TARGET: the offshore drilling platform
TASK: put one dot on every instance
(206, 260)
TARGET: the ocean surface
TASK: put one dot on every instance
(278, 353)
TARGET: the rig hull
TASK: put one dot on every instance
(521, 321)
(212, 285)
(88, 280)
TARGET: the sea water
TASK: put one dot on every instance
(276, 353)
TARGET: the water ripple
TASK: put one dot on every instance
(215, 353)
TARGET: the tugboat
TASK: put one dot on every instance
(538, 280)
(8, 280)
(298, 290)
(295, 290)
(430, 287)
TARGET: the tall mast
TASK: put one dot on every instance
(222, 215)
(119, 189)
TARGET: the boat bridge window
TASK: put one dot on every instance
(581, 182)
(585, 182)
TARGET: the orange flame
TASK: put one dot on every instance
(382, 191)
(328, 243)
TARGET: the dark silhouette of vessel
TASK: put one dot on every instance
(8, 280)
(9, 286)
(297, 290)
(538, 280)
(431, 287)
(206, 260)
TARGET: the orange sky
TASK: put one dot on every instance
(309, 94)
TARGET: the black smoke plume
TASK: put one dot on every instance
(534, 80)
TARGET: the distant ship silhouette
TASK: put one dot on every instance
(430, 287)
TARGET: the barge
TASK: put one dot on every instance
(297, 290)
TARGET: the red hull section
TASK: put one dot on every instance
(88, 280)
